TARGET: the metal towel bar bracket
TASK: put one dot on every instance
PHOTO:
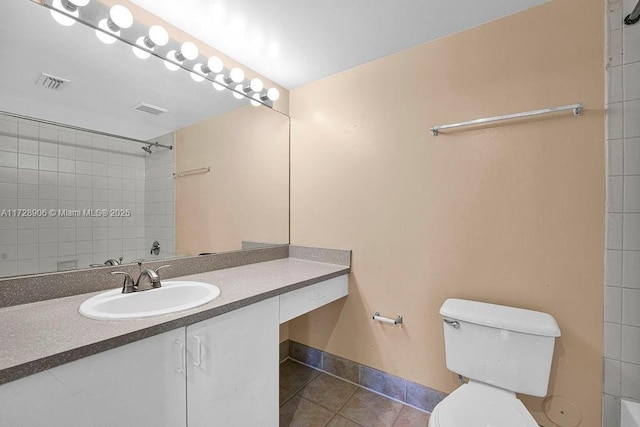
(576, 108)
(397, 321)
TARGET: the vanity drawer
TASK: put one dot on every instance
(301, 301)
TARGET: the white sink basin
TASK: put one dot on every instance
(172, 297)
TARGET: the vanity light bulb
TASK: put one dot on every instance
(140, 52)
(158, 35)
(121, 16)
(106, 38)
(79, 3)
(197, 73)
(61, 18)
(219, 83)
(215, 64)
(273, 94)
(189, 50)
(237, 75)
(255, 100)
(238, 94)
(256, 85)
(170, 65)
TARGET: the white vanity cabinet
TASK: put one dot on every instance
(224, 374)
(222, 371)
(232, 368)
(138, 384)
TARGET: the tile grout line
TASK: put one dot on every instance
(364, 388)
(342, 407)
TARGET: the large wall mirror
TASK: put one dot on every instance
(78, 188)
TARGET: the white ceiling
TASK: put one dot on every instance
(293, 42)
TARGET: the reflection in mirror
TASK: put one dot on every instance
(77, 191)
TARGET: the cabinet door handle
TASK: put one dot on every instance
(317, 295)
(197, 358)
(180, 369)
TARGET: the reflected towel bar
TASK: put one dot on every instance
(396, 321)
(576, 108)
(192, 172)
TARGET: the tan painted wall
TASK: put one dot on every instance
(246, 194)
(510, 214)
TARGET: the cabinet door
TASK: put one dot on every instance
(138, 384)
(232, 368)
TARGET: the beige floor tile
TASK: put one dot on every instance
(285, 394)
(410, 417)
(299, 412)
(328, 391)
(371, 410)
(339, 421)
(294, 376)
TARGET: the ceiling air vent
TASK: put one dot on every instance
(150, 109)
(51, 82)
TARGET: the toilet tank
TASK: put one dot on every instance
(507, 347)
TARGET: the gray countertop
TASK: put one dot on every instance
(41, 335)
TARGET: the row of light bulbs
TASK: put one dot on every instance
(120, 17)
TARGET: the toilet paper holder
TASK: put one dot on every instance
(396, 321)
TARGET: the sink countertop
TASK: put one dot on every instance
(41, 335)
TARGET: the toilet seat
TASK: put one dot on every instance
(481, 405)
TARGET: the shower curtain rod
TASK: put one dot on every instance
(77, 128)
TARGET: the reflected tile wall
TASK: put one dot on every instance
(56, 169)
(159, 200)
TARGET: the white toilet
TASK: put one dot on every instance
(502, 350)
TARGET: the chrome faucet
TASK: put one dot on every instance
(130, 286)
(110, 262)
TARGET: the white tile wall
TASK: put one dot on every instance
(631, 269)
(46, 167)
(160, 200)
(622, 257)
(631, 231)
(612, 375)
(612, 304)
(630, 344)
(612, 343)
(615, 185)
(614, 231)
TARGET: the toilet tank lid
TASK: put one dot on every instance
(501, 317)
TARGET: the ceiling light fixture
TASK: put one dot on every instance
(255, 85)
(68, 10)
(119, 17)
(272, 94)
(108, 30)
(255, 100)
(157, 36)
(219, 84)
(198, 73)
(238, 93)
(187, 50)
(236, 75)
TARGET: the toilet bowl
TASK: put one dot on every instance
(503, 351)
(481, 405)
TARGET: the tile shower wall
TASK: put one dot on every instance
(47, 167)
(622, 257)
(159, 200)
